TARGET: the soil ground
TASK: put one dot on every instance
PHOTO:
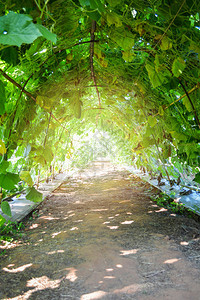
(100, 236)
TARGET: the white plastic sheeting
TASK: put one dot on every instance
(191, 201)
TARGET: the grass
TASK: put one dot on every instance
(173, 206)
(11, 231)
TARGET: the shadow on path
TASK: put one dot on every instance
(99, 236)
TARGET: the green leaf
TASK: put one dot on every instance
(35, 46)
(2, 220)
(26, 176)
(156, 79)
(127, 56)
(187, 104)
(166, 151)
(17, 29)
(160, 66)
(178, 66)
(152, 121)
(123, 38)
(10, 55)
(113, 19)
(179, 136)
(165, 43)
(197, 178)
(173, 83)
(84, 2)
(4, 165)
(157, 60)
(48, 154)
(96, 4)
(161, 111)
(94, 8)
(94, 15)
(2, 98)
(2, 148)
(45, 102)
(42, 155)
(114, 2)
(40, 160)
(33, 195)
(195, 48)
(8, 181)
(147, 141)
(46, 33)
(5, 207)
(77, 107)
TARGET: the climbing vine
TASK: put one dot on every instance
(128, 68)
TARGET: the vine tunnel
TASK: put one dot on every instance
(88, 78)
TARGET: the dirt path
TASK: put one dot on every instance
(102, 237)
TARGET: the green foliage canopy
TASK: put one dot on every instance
(130, 68)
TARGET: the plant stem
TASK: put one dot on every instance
(93, 28)
(190, 100)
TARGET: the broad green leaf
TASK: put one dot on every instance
(187, 104)
(179, 136)
(141, 28)
(46, 33)
(195, 48)
(161, 111)
(156, 79)
(173, 124)
(42, 155)
(9, 180)
(166, 43)
(17, 29)
(124, 39)
(94, 15)
(48, 154)
(5, 207)
(26, 176)
(35, 46)
(152, 121)
(114, 2)
(77, 108)
(147, 141)
(127, 56)
(45, 102)
(190, 149)
(40, 160)
(103, 62)
(148, 131)
(84, 2)
(113, 19)
(97, 51)
(166, 151)
(94, 8)
(2, 148)
(70, 56)
(197, 177)
(10, 55)
(4, 165)
(160, 66)
(33, 195)
(178, 66)
(96, 4)
(2, 99)
(2, 220)
(157, 60)
(173, 83)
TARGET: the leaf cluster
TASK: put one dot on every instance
(137, 80)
